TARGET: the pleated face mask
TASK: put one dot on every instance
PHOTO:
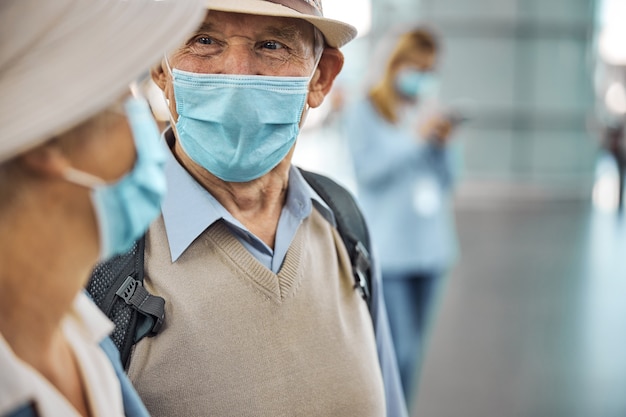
(238, 127)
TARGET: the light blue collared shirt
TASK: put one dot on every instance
(185, 222)
(188, 209)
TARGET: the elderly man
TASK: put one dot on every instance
(262, 317)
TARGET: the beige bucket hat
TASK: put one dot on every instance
(336, 33)
(62, 61)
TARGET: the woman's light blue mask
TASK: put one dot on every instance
(412, 83)
(238, 127)
(125, 209)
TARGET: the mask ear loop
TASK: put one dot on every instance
(305, 112)
(167, 64)
(169, 71)
(82, 178)
(135, 91)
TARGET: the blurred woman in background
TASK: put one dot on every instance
(404, 176)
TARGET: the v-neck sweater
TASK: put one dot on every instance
(240, 340)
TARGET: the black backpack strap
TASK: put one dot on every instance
(351, 226)
(116, 286)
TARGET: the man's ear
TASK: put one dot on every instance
(46, 160)
(327, 70)
(158, 75)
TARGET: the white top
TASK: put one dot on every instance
(85, 327)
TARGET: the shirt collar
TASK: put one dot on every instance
(16, 385)
(189, 209)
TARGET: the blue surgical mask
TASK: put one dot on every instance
(125, 209)
(238, 127)
(412, 83)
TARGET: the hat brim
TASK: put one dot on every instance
(336, 33)
(54, 76)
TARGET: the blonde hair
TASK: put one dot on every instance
(383, 93)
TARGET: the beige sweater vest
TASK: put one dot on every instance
(239, 340)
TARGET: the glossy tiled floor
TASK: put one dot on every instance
(532, 321)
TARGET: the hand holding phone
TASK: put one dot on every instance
(439, 126)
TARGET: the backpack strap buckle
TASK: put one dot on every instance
(151, 306)
(361, 266)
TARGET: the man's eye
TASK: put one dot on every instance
(273, 45)
(205, 40)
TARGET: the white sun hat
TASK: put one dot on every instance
(335, 32)
(62, 61)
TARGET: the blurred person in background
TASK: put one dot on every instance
(404, 170)
(81, 176)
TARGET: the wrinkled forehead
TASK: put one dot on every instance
(253, 26)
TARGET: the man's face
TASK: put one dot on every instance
(234, 43)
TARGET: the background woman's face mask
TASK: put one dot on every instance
(413, 83)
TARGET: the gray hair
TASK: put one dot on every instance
(319, 43)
